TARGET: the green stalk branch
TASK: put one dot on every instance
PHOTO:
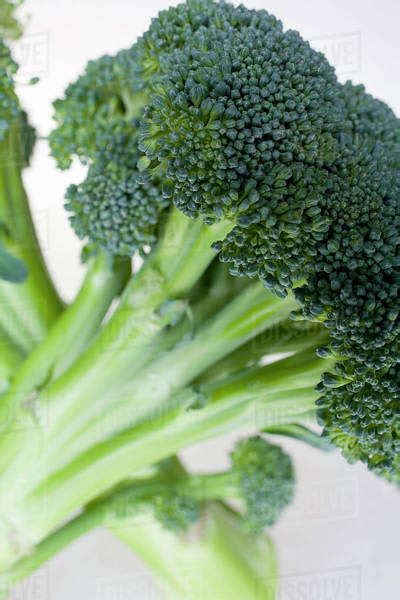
(253, 311)
(34, 305)
(151, 301)
(222, 562)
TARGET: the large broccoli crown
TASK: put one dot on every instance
(251, 123)
(239, 121)
(265, 479)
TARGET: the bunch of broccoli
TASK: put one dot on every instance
(260, 198)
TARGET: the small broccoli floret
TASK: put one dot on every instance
(98, 123)
(17, 138)
(265, 478)
(111, 207)
(9, 105)
(261, 478)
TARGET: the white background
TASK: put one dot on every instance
(344, 527)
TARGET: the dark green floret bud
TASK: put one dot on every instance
(175, 27)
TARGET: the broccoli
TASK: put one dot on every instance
(261, 478)
(260, 195)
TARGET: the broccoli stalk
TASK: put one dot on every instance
(31, 306)
(29, 303)
(261, 477)
(223, 562)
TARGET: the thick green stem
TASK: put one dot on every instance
(277, 393)
(27, 309)
(220, 561)
(151, 301)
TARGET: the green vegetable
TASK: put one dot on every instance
(217, 137)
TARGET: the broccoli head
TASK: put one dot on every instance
(251, 124)
(265, 480)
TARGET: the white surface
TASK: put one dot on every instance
(340, 540)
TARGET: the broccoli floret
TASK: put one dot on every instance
(266, 480)
(239, 124)
(100, 105)
(17, 138)
(111, 207)
(9, 105)
(261, 477)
